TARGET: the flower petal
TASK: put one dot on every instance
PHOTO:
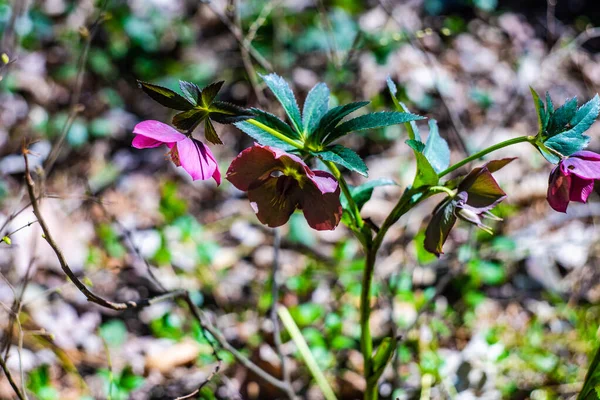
(586, 168)
(484, 192)
(559, 190)
(251, 166)
(580, 189)
(197, 159)
(153, 133)
(439, 227)
(322, 211)
(272, 207)
(324, 181)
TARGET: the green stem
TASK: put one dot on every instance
(478, 155)
(304, 350)
(275, 133)
(346, 190)
(366, 341)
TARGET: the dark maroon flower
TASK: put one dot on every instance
(477, 193)
(573, 179)
(277, 183)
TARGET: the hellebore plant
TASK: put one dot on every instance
(277, 179)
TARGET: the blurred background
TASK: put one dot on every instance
(509, 316)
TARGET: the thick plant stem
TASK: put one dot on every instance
(366, 342)
(509, 142)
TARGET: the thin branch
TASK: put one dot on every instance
(275, 320)
(91, 296)
(205, 323)
(236, 32)
(75, 107)
(206, 382)
(12, 382)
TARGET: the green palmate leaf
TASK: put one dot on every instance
(188, 120)
(362, 193)
(209, 93)
(190, 91)
(315, 107)
(345, 157)
(561, 117)
(436, 149)
(333, 117)
(563, 133)
(591, 385)
(166, 97)
(426, 175)
(210, 133)
(227, 113)
(284, 94)
(263, 137)
(370, 121)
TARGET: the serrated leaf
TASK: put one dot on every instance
(362, 193)
(188, 120)
(436, 149)
(586, 115)
(345, 157)
(540, 110)
(549, 104)
(416, 145)
(561, 117)
(227, 113)
(411, 127)
(274, 122)
(393, 89)
(210, 133)
(333, 117)
(165, 96)
(209, 93)
(370, 121)
(284, 94)
(263, 137)
(425, 175)
(191, 91)
(316, 106)
(568, 142)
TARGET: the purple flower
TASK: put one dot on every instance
(187, 152)
(573, 179)
(278, 183)
(476, 194)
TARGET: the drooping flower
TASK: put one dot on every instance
(476, 194)
(187, 152)
(573, 179)
(277, 183)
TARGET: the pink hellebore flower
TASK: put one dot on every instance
(573, 179)
(277, 183)
(187, 152)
